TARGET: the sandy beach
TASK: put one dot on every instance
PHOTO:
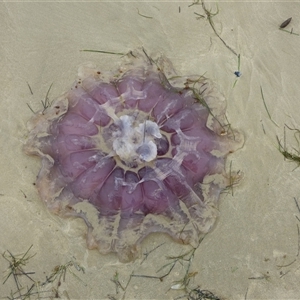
(253, 251)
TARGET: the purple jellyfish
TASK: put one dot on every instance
(134, 151)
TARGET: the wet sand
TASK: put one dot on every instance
(252, 253)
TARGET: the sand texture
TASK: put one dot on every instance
(253, 251)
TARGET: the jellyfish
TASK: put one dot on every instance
(134, 151)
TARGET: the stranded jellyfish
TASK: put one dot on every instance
(134, 151)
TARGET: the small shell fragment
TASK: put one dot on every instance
(285, 23)
(178, 286)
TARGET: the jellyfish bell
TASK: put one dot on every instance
(133, 152)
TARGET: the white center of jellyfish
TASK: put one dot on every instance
(135, 141)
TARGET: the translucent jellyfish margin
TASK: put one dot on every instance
(193, 206)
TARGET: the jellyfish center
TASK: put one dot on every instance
(134, 140)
